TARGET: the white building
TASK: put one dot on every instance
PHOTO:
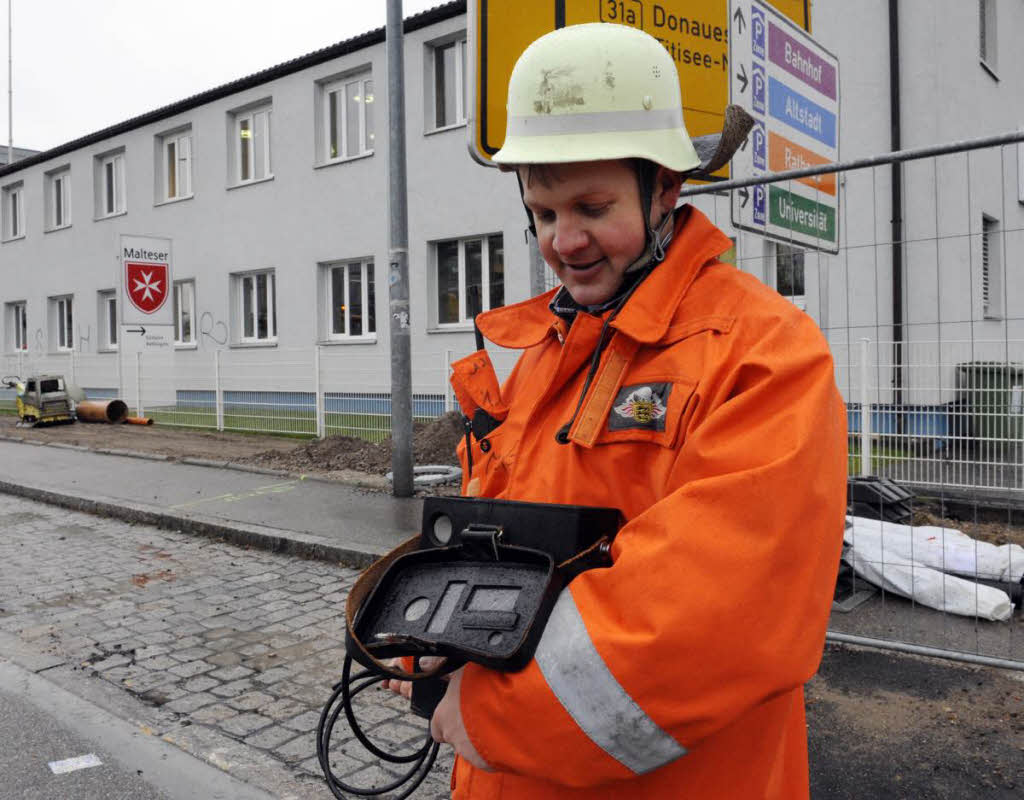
(273, 190)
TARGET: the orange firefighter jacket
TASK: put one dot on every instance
(714, 424)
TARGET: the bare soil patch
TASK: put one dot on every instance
(340, 457)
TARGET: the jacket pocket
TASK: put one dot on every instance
(648, 409)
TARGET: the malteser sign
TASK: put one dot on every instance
(147, 310)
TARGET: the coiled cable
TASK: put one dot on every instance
(421, 760)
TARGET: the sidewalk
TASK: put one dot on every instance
(302, 516)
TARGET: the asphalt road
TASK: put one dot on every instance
(59, 745)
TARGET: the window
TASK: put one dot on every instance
(184, 312)
(991, 271)
(252, 145)
(110, 185)
(17, 327)
(176, 165)
(351, 304)
(257, 309)
(108, 320)
(789, 274)
(470, 278)
(348, 118)
(449, 86)
(14, 211)
(62, 322)
(987, 33)
(58, 198)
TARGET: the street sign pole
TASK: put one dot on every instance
(398, 263)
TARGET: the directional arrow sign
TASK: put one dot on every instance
(135, 330)
(737, 18)
(794, 99)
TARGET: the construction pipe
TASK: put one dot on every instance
(138, 421)
(101, 410)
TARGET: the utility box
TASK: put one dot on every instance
(992, 395)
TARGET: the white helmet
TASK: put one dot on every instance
(601, 91)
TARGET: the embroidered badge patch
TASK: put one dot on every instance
(640, 407)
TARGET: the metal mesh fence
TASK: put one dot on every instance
(921, 306)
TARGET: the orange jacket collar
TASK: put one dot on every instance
(649, 311)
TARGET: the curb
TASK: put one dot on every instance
(262, 537)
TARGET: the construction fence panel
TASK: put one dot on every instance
(922, 306)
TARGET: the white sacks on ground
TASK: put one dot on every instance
(923, 563)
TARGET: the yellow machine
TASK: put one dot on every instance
(41, 399)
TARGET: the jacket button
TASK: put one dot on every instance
(485, 445)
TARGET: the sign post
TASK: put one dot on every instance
(790, 85)
(695, 33)
(147, 310)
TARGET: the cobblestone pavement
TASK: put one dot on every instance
(245, 642)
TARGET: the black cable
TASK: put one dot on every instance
(422, 759)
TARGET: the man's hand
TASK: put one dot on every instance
(446, 724)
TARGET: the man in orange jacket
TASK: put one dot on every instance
(692, 397)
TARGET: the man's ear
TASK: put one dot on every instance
(667, 184)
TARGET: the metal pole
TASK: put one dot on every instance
(921, 650)
(398, 262)
(139, 410)
(218, 391)
(318, 394)
(865, 409)
(10, 89)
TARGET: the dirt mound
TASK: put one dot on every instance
(432, 443)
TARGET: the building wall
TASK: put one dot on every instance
(310, 214)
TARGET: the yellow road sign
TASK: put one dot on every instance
(695, 32)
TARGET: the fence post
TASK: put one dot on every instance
(865, 408)
(446, 386)
(321, 427)
(139, 410)
(218, 391)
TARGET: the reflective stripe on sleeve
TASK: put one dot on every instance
(657, 119)
(585, 687)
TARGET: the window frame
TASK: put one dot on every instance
(17, 326)
(184, 288)
(799, 300)
(238, 157)
(58, 195)
(339, 86)
(14, 211)
(460, 70)
(368, 300)
(485, 278)
(244, 280)
(988, 37)
(183, 166)
(108, 322)
(63, 309)
(991, 274)
(118, 192)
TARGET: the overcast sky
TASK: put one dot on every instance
(80, 65)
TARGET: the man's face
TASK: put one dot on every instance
(589, 224)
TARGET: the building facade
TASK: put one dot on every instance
(273, 190)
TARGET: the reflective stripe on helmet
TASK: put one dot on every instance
(596, 122)
(586, 688)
